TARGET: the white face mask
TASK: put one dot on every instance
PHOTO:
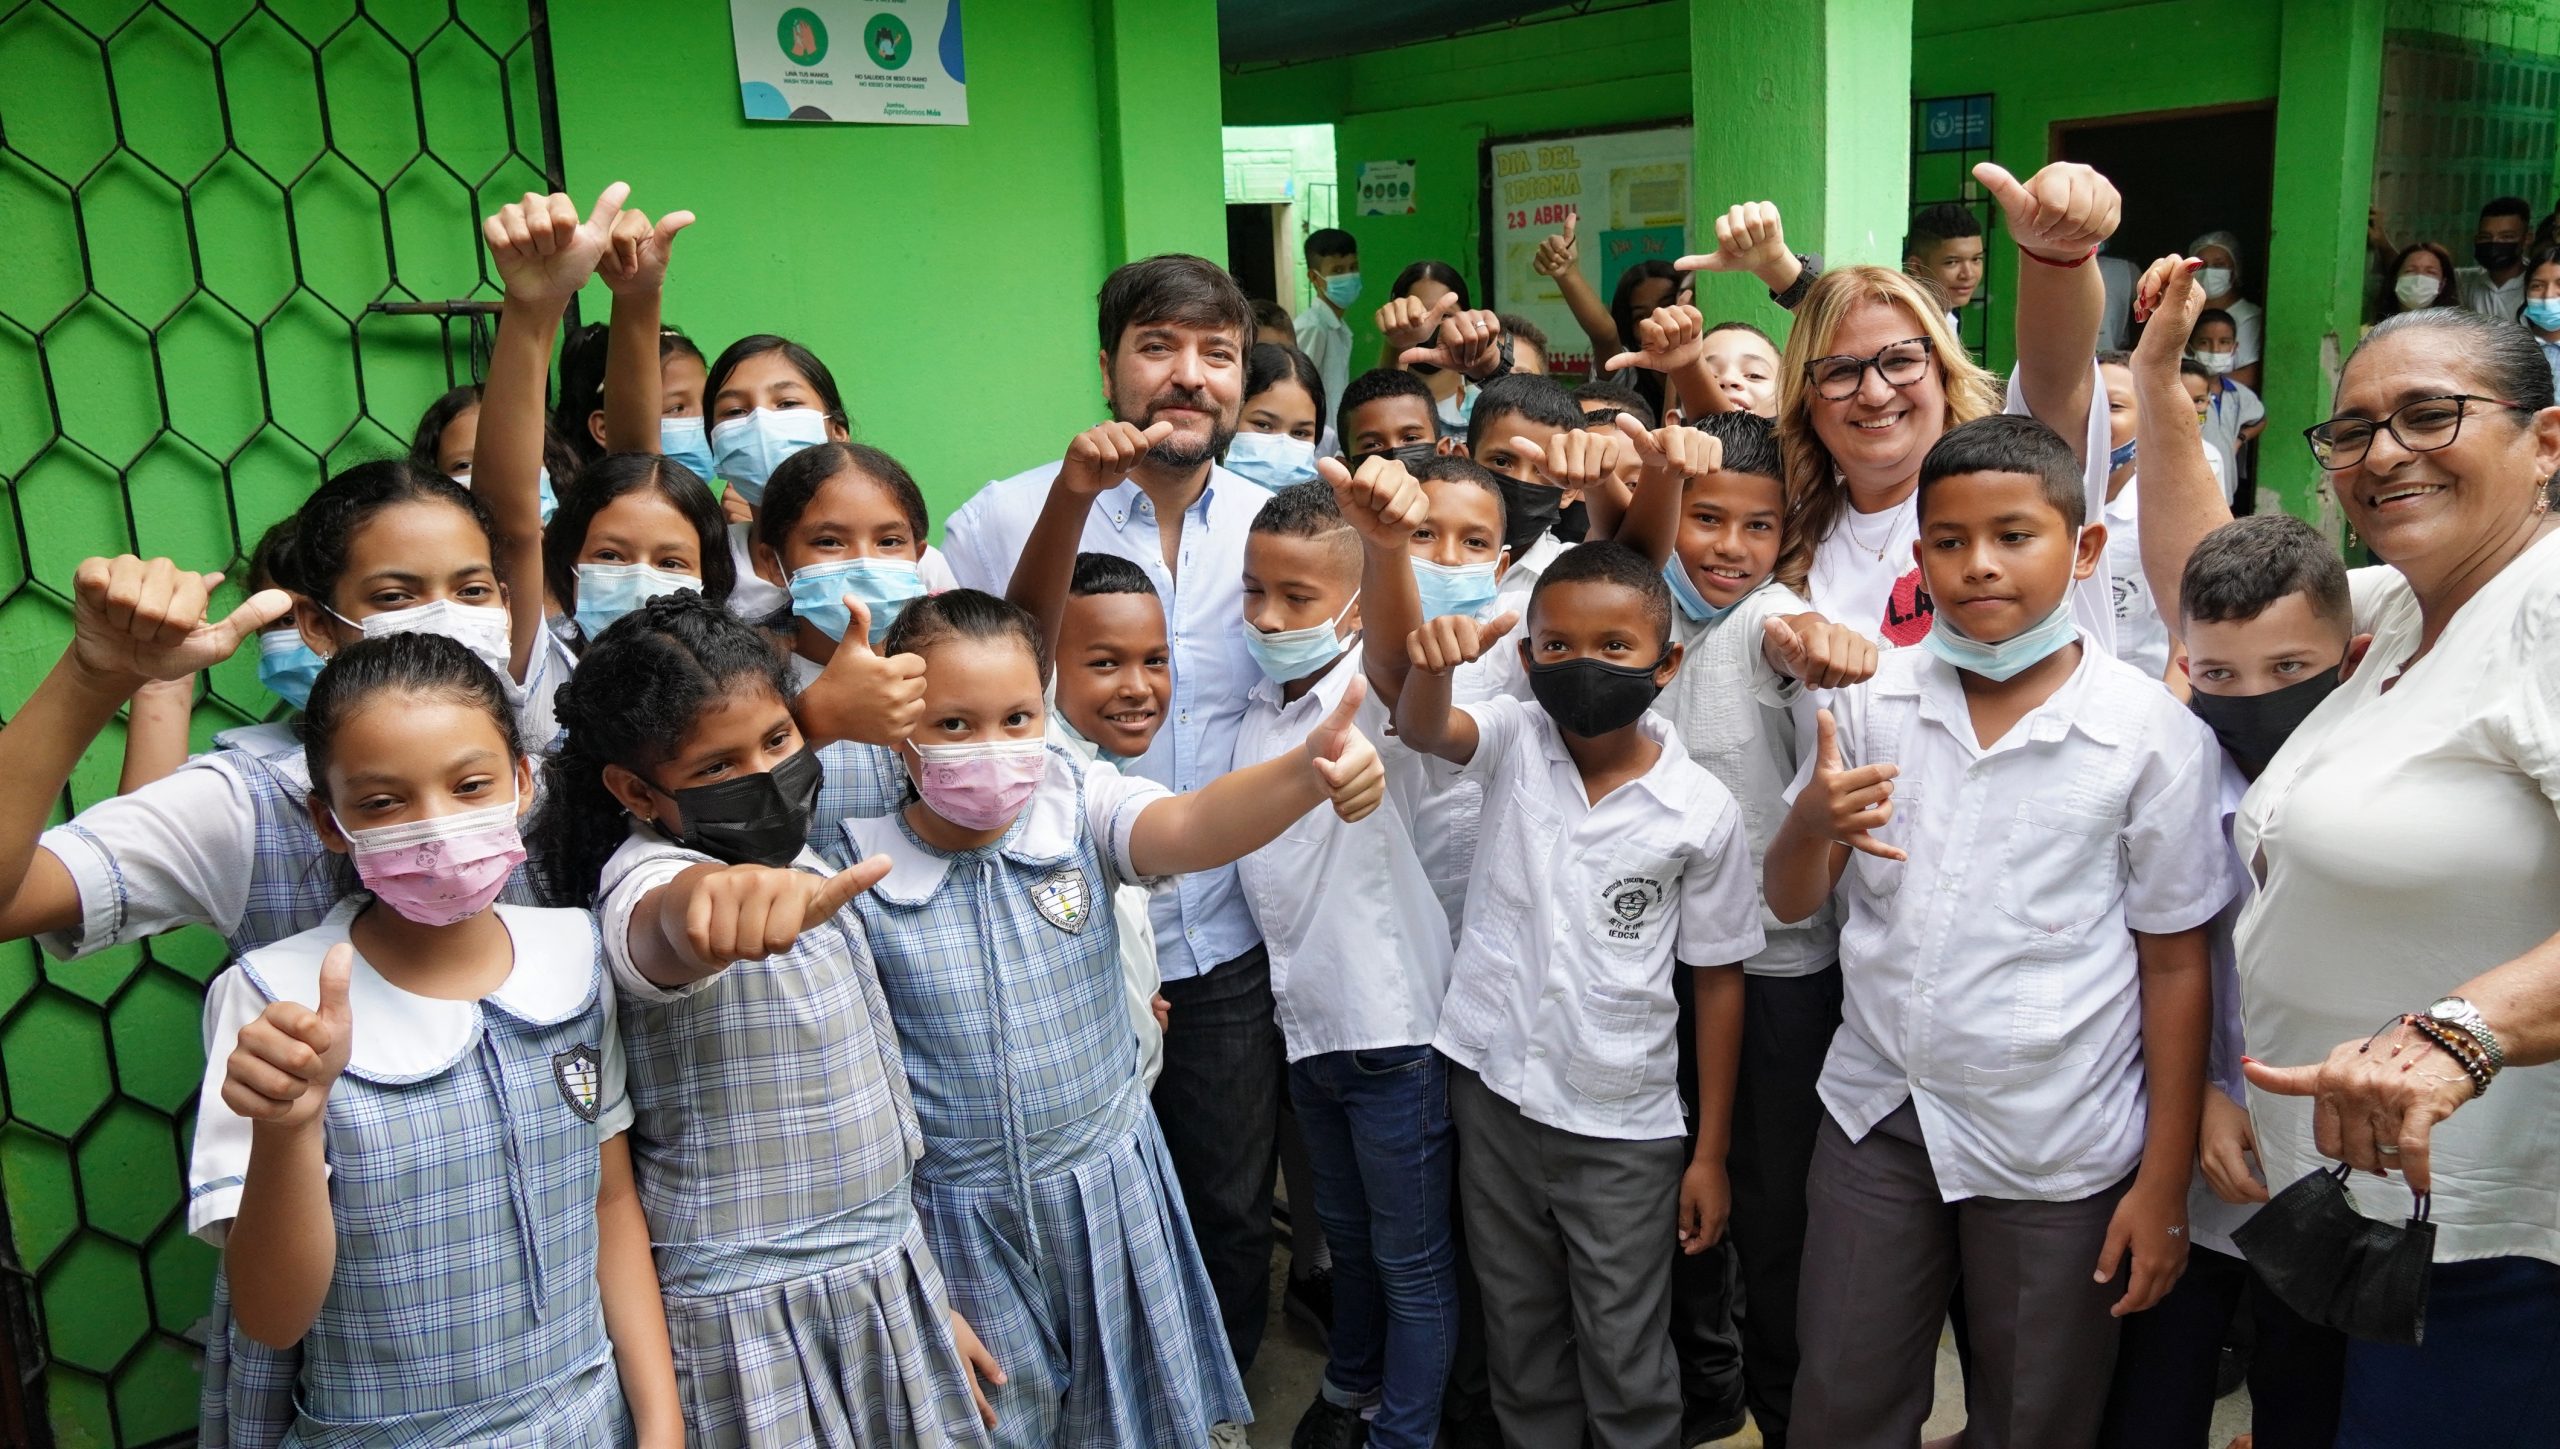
(2217, 363)
(746, 449)
(483, 630)
(2216, 281)
(2416, 289)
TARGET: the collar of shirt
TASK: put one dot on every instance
(1658, 780)
(1045, 833)
(405, 1037)
(1933, 682)
(1127, 500)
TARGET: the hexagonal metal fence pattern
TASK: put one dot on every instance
(233, 225)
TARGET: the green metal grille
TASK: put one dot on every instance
(218, 220)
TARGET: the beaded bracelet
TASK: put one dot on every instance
(2466, 1052)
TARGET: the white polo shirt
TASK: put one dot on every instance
(1450, 813)
(1991, 978)
(1560, 994)
(1747, 724)
(1359, 946)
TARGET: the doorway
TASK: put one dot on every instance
(1280, 188)
(1255, 233)
(2185, 173)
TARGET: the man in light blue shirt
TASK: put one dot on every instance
(1174, 333)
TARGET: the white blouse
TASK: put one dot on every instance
(2404, 842)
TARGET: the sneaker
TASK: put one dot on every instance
(1227, 1434)
(1328, 1425)
(1310, 1301)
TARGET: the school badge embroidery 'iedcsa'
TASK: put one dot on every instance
(1065, 898)
(580, 1073)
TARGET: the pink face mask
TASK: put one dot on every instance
(982, 784)
(442, 870)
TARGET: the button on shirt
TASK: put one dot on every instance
(1359, 946)
(1560, 995)
(1991, 979)
(1201, 919)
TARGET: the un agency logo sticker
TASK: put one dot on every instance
(1631, 901)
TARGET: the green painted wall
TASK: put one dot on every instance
(945, 273)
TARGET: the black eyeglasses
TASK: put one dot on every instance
(1837, 379)
(2421, 425)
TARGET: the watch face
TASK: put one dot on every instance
(2447, 1007)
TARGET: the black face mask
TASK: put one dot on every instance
(2254, 726)
(1414, 455)
(2497, 256)
(1587, 697)
(1528, 510)
(2339, 1268)
(753, 819)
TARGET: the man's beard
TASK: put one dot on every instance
(1180, 452)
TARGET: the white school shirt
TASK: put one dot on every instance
(1359, 946)
(2226, 411)
(2403, 843)
(1560, 993)
(1131, 901)
(2502, 300)
(2248, 332)
(1748, 724)
(177, 852)
(1455, 410)
(397, 1034)
(2142, 636)
(1449, 812)
(1991, 979)
(1866, 576)
(1325, 337)
(1200, 919)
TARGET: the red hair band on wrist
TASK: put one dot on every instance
(2081, 260)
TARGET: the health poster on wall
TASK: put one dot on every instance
(875, 62)
(1386, 188)
(1629, 194)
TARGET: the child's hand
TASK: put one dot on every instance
(1105, 453)
(1673, 454)
(1823, 655)
(751, 912)
(1465, 342)
(1407, 323)
(983, 1368)
(1667, 341)
(2058, 214)
(1558, 254)
(1749, 237)
(1162, 1010)
(734, 507)
(1381, 500)
(2152, 1225)
(287, 1059)
(1345, 760)
(544, 253)
(1580, 462)
(137, 620)
(1444, 643)
(2166, 295)
(1848, 805)
(862, 695)
(1706, 1203)
(2225, 1141)
(635, 258)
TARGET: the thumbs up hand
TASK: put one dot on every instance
(1822, 654)
(1558, 253)
(1354, 779)
(862, 695)
(1408, 323)
(752, 912)
(1105, 453)
(2059, 213)
(1847, 806)
(281, 1071)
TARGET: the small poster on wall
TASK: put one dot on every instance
(1386, 188)
(877, 62)
(1626, 193)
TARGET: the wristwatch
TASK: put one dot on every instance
(2453, 1011)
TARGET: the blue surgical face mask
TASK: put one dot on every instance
(684, 440)
(550, 500)
(1274, 460)
(884, 585)
(606, 592)
(2543, 313)
(1288, 654)
(287, 666)
(2011, 656)
(2118, 457)
(1685, 593)
(745, 450)
(1453, 588)
(1342, 289)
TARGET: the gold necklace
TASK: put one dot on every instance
(1849, 525)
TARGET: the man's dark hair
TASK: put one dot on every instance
(1944, 221)
(1108, 573)
(1267, 313)
(1331, 241)
(1466, 470)
(1750, 443)
(2008, 443)
(2214, 314)
(1610, 563)
(1534, 396)
(1173, 287)
(1522, 329)
(1614, 398)
(2244, 566)
(1382, 382)
(2515, 206)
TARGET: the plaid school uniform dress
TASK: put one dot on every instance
(773, 1139)
(464, 1150)
(1045, 1188)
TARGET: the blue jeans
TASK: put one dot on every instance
(1378, 1135)
(2488, 1375)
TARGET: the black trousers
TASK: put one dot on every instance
(2166, 1363)
(1218, 1102)
(1787, 1025)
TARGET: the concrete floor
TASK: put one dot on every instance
(1286, 1371)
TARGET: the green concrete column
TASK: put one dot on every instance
(2328, 94)
(1163, 176)
(1807, 104)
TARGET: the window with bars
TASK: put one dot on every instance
(241, 253)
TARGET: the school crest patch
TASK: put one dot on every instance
(1065, 897)
(580, 1073)
(1630, 899)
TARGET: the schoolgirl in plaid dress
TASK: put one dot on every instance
(445, 1185)
(774, 1135)
(1045, 1189)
